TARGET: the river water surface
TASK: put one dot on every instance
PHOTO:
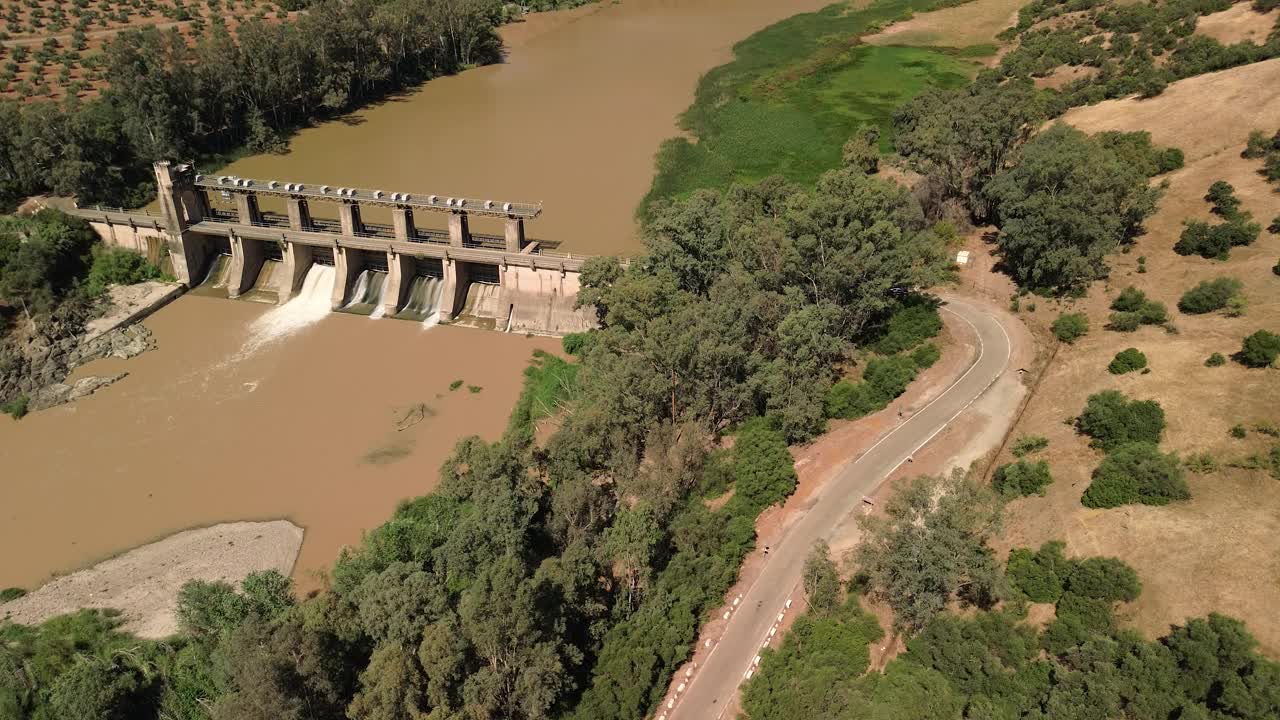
(247, 413)
(572, 119)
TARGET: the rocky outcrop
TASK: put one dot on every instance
(36, 365)
(59, 393)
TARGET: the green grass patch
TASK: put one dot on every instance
(549, 381)
(795, 92)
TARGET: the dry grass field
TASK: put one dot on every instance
(1238, 23)
(1216, 552)
(50, 48)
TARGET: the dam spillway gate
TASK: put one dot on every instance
(259, 240)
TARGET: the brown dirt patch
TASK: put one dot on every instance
(143, 583)
(1239, 23)
(972, 23)
(1216, 552)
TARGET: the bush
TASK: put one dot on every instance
(11, 593)
(1222, 196)
(925, 356)
(1260, 349)
(1239, 432)
(1274, 227)
(1258, 146)
(1209, 295)
(1215, 360)
(1103, 578)
(1124, 321)
(577, 343)
(17, 407)
(1114, 421)
(1027, 444)
(1022, 478)
(1078, 618)
(1127, 361)
(916, 322)
(1131, 299)
(117, 266)
(1198, 238)
(1202, 463)
(1136, 473)
(763, 468)
(1070, 326)
(1038, 575)
(1275, 269)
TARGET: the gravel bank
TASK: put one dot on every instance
(143, 583)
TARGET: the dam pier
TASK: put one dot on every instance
(506, 282)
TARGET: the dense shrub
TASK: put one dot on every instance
(763, 468)
(1130, 299)
(117, 266)
(1134, 309)
(1260, 349)
(1038, 575)
(1127, 361)
(1070, 326)
(1027, 444)
(1215, 360)
(1077, 619)
(884, 379)
(577, 343)
(916, 322)
(1114, 421)
(17, 407)
(1136, 473)
(1199, 238)
(1104, 578)
(1274, 227)
(1222, 196)
(1209, 295)
(1022, 478)
(1136, 150)
(1258, 145)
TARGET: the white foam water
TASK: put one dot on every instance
(310, 306)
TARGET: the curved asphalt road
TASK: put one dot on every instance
(717, 680)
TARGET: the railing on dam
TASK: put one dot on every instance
(122, 216)
(428, 247)
(416, 201)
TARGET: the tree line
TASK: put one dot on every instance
(170, 99)
(566, 579)
(930, 550)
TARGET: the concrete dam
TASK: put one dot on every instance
(509, 282)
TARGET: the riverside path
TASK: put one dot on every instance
(715, 683)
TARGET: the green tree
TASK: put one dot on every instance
(1064, 207)
(862, 151)
(931, 548)
(821, 580)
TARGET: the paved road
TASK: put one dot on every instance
(721, 673)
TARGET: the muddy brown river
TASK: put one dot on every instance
(218, 424)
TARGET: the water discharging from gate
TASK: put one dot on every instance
(368, 295)
(310, 306)
(423, 302)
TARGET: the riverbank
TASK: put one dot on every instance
(143, 583)
(795, 92)
(42, 365)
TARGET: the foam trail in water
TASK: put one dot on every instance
(308, 308)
